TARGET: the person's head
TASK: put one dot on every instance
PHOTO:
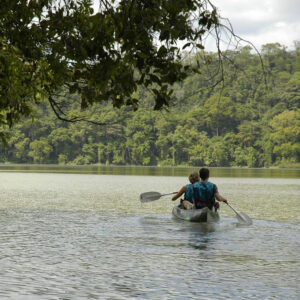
(204, 173)
(194, 177)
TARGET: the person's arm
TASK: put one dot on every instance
(220, 198)
(181, 192)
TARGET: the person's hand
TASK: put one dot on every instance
(225, 201)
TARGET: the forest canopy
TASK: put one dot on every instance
(242, 123)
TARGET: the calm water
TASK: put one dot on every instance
(84, 236)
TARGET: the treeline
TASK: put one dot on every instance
(250, 119)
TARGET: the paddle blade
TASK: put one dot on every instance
(243, 218)
(149, 196)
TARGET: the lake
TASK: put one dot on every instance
(82, 233)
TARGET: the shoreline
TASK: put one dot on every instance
(180, 171)
(141, 166)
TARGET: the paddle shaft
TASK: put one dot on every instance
(168, 194)
(232, 208)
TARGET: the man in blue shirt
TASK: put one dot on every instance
(205, 192)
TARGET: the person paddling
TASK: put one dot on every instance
(205, 192)
(187, 190)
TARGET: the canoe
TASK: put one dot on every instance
(196, 215)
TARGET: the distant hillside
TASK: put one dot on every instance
(244, 123)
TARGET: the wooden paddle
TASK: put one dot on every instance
(152, 196)
(242, 217)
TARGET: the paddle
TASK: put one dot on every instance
(152, 196)
(242, 217)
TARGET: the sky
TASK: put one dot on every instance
(259, 21)
(263, 21)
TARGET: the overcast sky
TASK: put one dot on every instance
(260, 21)
(263, 21)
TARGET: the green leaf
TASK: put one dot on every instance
(186, 45)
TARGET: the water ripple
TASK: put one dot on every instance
(60, 240)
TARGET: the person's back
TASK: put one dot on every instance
(188, 191)
(205, 191)
(204, 194)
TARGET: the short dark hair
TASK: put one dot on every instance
(204, 173)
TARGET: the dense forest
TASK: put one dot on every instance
(237, 113)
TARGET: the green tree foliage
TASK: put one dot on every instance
(49, 48)
(244, 124)
(40, 150)
(286, 135)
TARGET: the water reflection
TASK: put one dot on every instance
(200, 228)
(153, 171)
